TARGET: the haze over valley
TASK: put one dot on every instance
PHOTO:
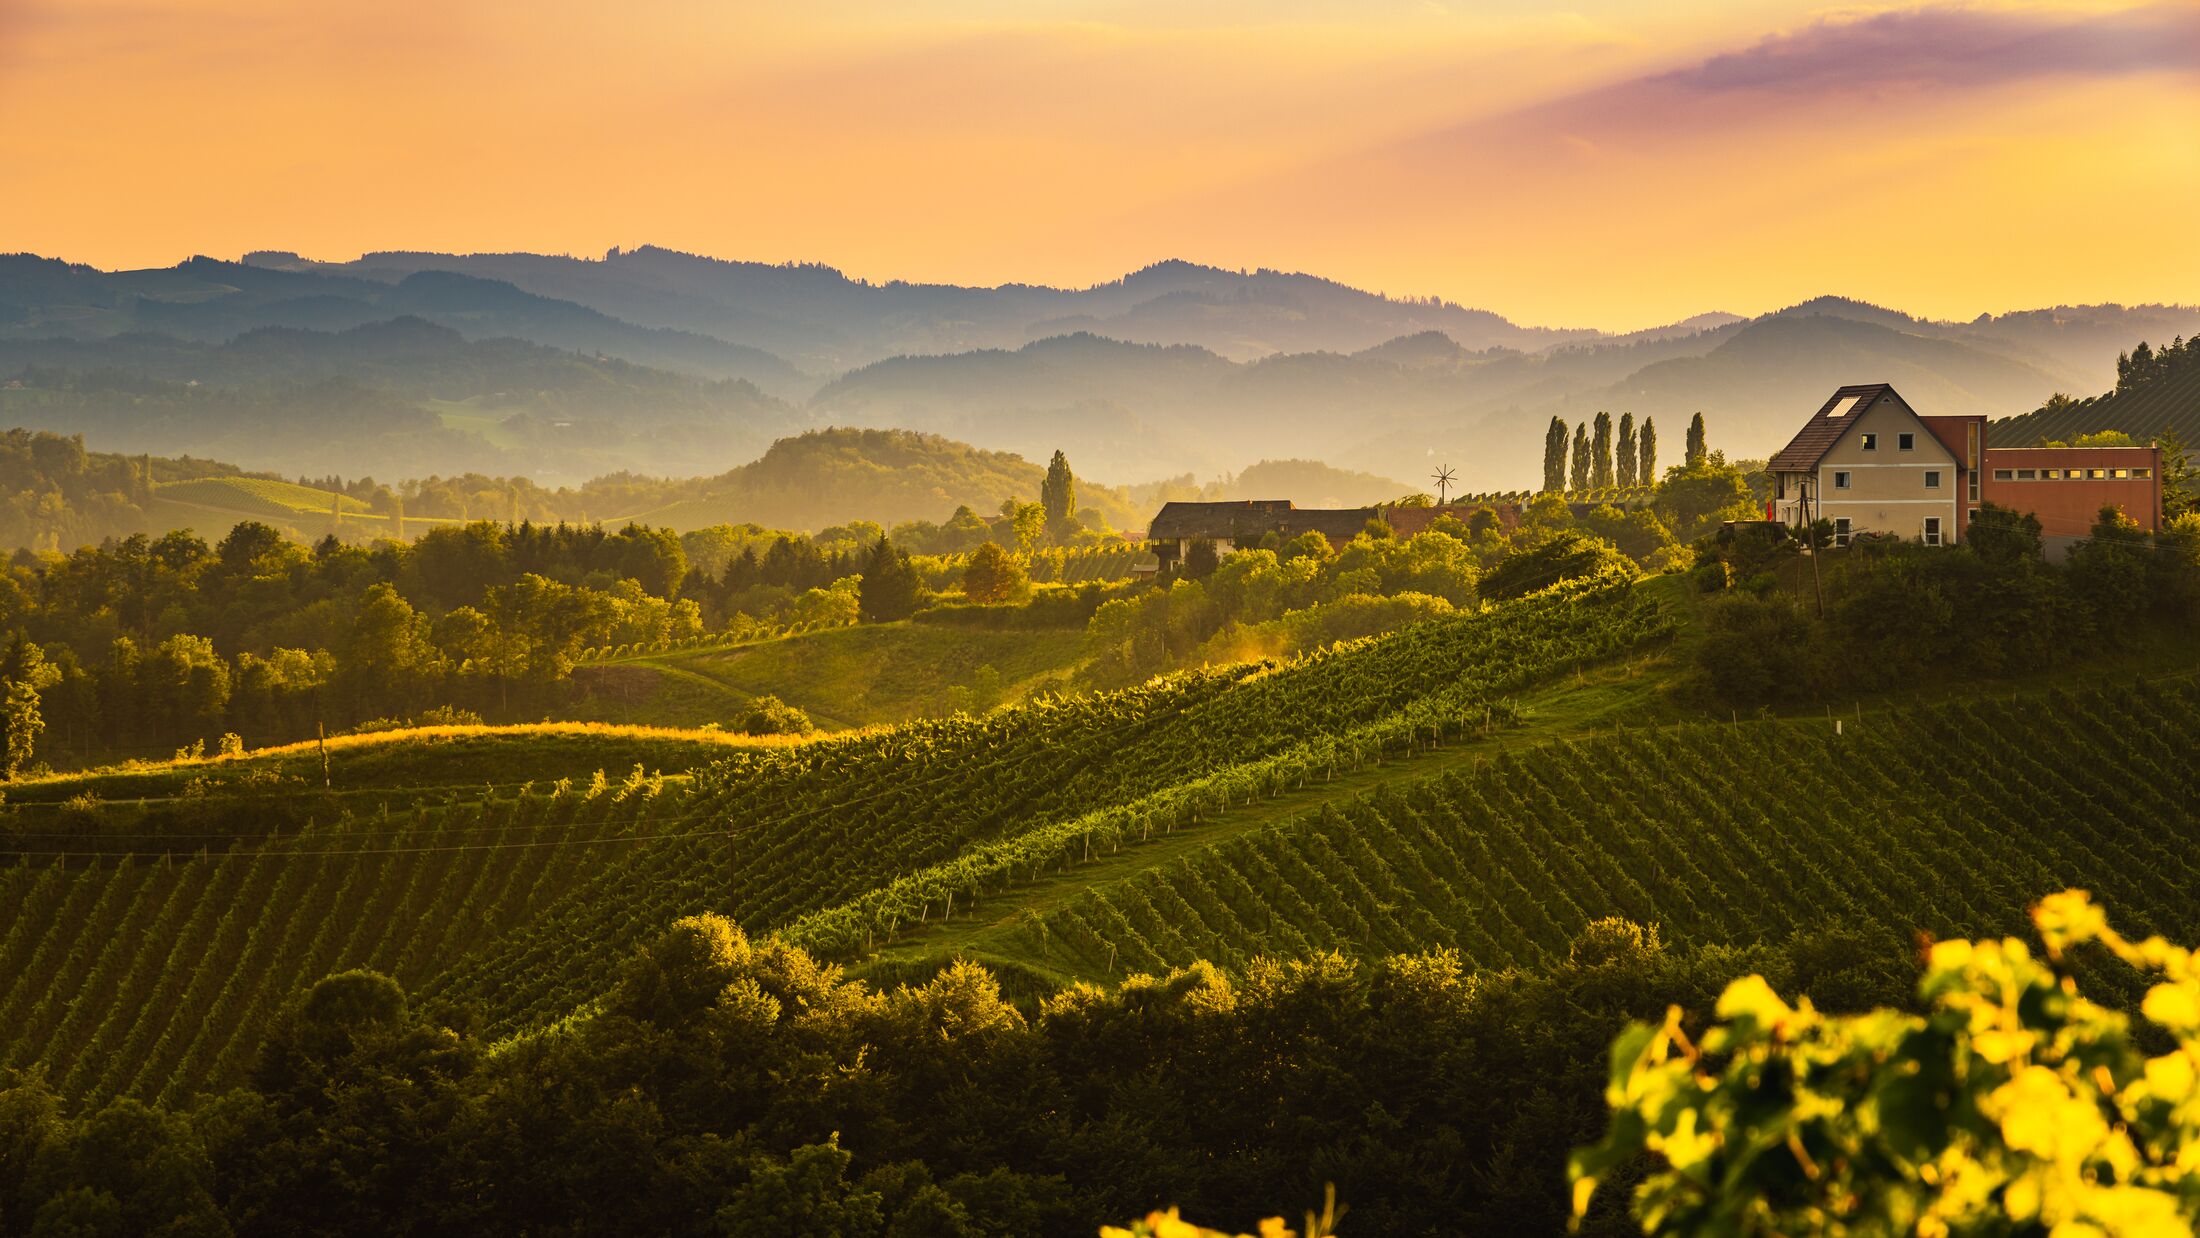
(651, 361)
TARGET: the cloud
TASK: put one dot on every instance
(1955, 46)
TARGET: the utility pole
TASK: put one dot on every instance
(1817, 586)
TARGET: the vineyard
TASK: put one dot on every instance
(2170, 403)
(1383, 796)
(152, 977)
(143, 971)
(1950, 819)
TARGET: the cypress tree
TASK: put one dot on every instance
(1698, 450)
(1058, 493)
(1624, 463)
(891, 587)
(1554, 455)
(1580, 476)
(1600, 453)
(1647, 470)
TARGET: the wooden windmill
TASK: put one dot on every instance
(1443, 483)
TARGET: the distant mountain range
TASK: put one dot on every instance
(652, 360)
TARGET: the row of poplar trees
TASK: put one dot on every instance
(1592, 463)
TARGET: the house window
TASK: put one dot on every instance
(1932, 479)
(1932, 530)
(2026, 475)
(1906, 442)
(2005, 474)
(2119, 473)
(1840, 481)
(1841, 530)
(2096, 474)
(1869, 442)
(2142, 474)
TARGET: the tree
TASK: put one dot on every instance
(390, 661)
(1058, 493)
(991, 576)
(1999, 534)
(2180, 476)
(768, 715)
(1200, 559)
(23, 675)
(1695, 499)
(1646, 472)
(891, 587)
(1554, 455)
(1626, 462)
(1579, 474)
(1699, 447)
(1600, 453)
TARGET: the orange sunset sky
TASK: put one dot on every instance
(1613, 163)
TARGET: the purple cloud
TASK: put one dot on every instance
(1956, 47)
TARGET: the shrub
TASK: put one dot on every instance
(2012, 1105)
(768, 715)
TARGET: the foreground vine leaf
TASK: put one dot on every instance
(2014, 1105)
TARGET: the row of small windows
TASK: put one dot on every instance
(2072, 474)
(1841, 479)
(1902, 442)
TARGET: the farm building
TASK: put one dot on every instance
(1870, 463)
(1247, 523)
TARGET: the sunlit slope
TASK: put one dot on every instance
(2170, 404)
(838, 823)
(1947, 819)
(151, 968)
(156, 977)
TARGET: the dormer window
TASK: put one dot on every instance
(1869, 442)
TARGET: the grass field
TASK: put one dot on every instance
(469, 414)
(212, 504)
(841, 677)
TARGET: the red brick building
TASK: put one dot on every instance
(1871, 464)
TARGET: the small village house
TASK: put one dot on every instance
(1870, 463)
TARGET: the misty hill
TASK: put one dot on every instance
(833, 476)
(489, 362)
(211, 301)
(827, 322)
(394, 398)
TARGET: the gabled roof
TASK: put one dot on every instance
(1823, 430)
(1213, 520)
(1253, 519)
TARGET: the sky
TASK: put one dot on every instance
(1614, 163)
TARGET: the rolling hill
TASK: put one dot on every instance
(1447, 816)
(2169, 404)
(658, 362)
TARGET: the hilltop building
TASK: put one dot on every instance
(1870, 463)
(1230, 526)
(1247, 523)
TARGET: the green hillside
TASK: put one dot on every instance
(1488, 783)
(773, 834)
(2166, 403)
(1506, 860)
(841, 677)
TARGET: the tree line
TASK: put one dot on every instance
(726, 1085)
(1591, 460)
